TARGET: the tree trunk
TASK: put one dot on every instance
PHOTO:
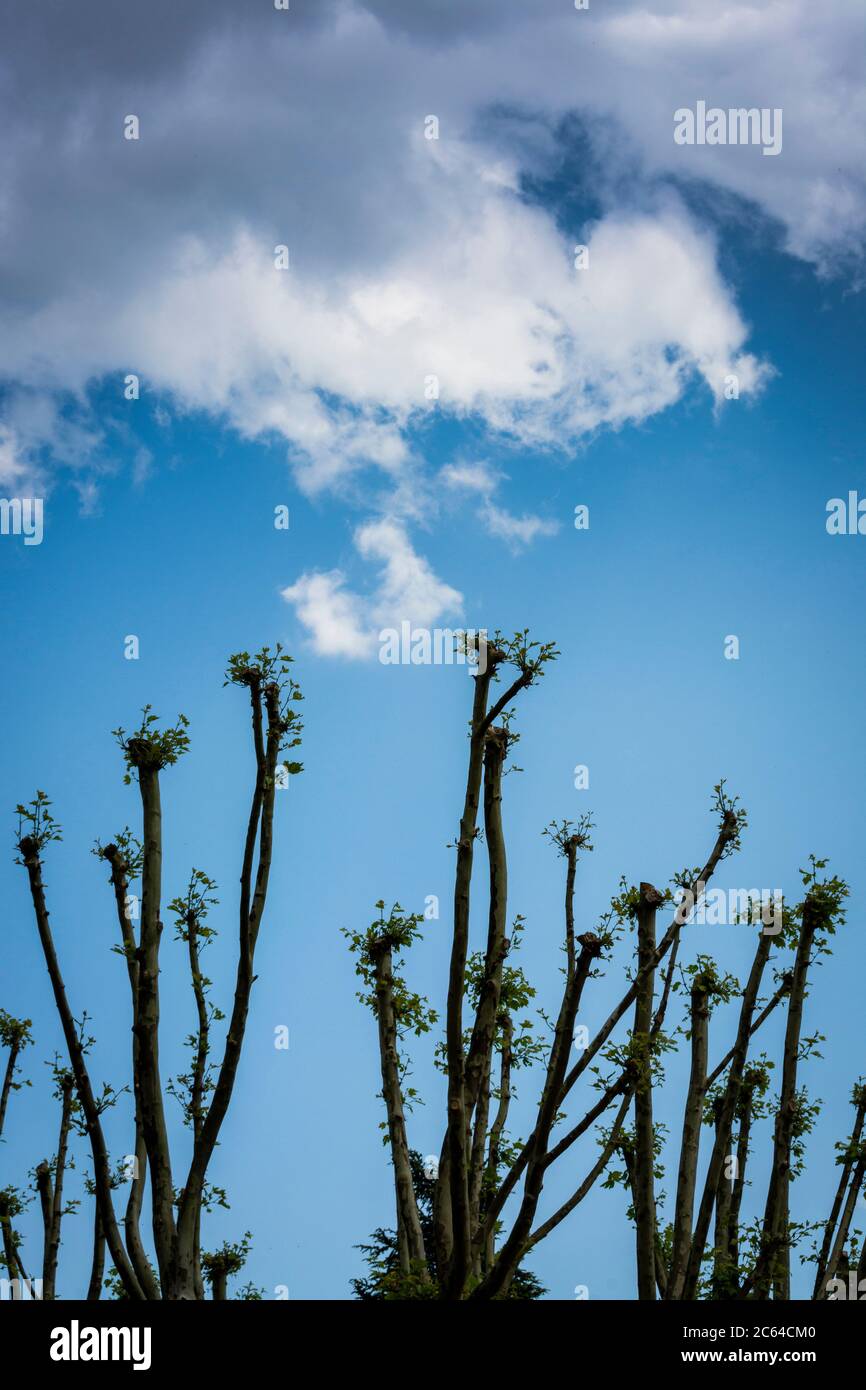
(844, 1175)
(497, 1281)
(411, 1250)
(486, 1237)
(7, 1080)
(132, 1215)
(836, 1253)
(774, 1235)
(478, 1057)
(101, 1170)
(730, 1101)
(252, 906)
(644, 1148)
(53, 1199)
(453, 1238)
(738, 1187)
(147, 1030)
(97, 1267)
(691, 1139)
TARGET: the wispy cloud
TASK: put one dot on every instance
(483, 481)
(341, 622)
(333, 616)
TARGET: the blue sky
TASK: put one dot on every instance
(707, 518)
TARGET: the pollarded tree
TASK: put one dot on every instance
(47, 1177)
(741, 1259)
(832, 1259)
(15, 1035)
(50, 1175)
(206, 1089)
(12, 1203)
(486, 1193)
(384, 1279)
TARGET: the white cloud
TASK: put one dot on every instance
(635, 64)
(332, 615)
(343, 623)
(36, 438)
(13, 471)
(482, 480)
(409, 257)
(408, 589)
(471, 477)
(516, 530)
(490, 304)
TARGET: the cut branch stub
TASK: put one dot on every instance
(591, 945)
(28, 847)
(650, 897)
